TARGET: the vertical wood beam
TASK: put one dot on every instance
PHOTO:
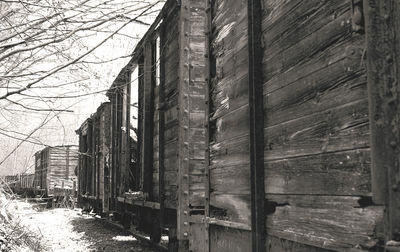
(139, 171)
(148, 128)
(209, 66)
(67, 164)
(113, 149)
(161, 123)
(256, 126)
(382, 23)
(183, 135)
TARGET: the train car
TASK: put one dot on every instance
(95, 171)
(171, 133)
(26, 180)
(55, 170)
(11, 182)
(263, 126)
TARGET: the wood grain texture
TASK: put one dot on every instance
(383, 64)
(332, 222)
(339, 173)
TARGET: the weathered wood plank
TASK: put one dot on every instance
(382, 25)
(276, 244)
(231, 207)
(341, 128)
(233, 124)
(277, 61)
(340, 173)
(332, 222)
(231, 179)
(291, 21)
(229, 239)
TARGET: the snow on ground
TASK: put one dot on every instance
(54, 226)
(68, 230)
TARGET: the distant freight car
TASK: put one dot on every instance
(55, 170)
(26, 181)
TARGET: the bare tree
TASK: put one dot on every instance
(49, 60)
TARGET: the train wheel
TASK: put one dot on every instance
(155, 235)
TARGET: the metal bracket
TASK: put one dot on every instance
(357, 16)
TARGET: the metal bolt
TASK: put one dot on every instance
(386, 16)
(185, 234)
(393, 144)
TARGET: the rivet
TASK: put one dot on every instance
(185, 127)
(185, 223)
(185, 234)
(185, 212)
(386, 16)
(393, 144)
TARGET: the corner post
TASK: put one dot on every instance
(256, 126)
(382, 26)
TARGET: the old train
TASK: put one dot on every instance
(54, 174)
(20, 183)
(55, 171)
(263, 125)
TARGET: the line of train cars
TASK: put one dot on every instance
(263, 125)
(54, 175)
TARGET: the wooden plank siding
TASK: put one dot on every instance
(382, 25)
(104, 114)
(229, 113)
(170, 50)
(55, 169)
(316, 146)
(191, 114)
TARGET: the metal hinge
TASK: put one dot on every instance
(357, 16)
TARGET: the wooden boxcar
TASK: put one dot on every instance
(94, 148)
(264, 126)
(98, 173)
(55, 170)
(26, 180)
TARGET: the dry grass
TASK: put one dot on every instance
(14, 236)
